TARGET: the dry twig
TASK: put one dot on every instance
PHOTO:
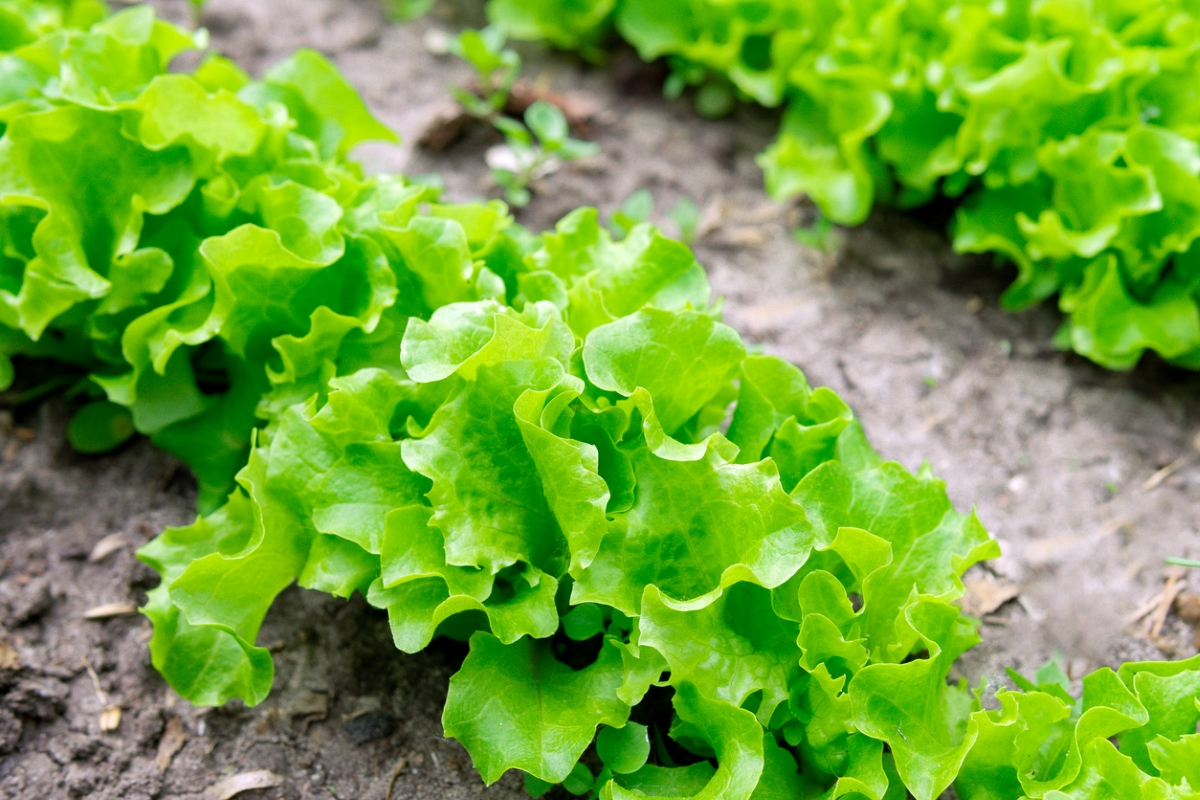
(395, 775)
(1176, 583)
(1155, 480)
(110, 610)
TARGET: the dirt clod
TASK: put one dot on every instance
(369, 727)
(447, 124)
(78, 747)
(41, 699)
(10, 731)
(146, 726)
(34, 601)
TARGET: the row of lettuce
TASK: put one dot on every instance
(1067, 133)
(682, 571)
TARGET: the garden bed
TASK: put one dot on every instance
(1086, 477)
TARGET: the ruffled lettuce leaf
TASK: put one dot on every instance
(161, 229)
(1089, 189)
(549, 445)
(525, 475)
(517, 706)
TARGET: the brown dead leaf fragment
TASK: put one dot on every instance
(933, 421)
(763, 317)
(172, 741)
(242, 782)
(759, 215)
(10, 659)
(1187, 606)
(985, 595)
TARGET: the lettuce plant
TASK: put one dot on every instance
(24, 21)
(160, 230)
(609, 497)
(1068, 133)
(1131, 734)
(681, 571)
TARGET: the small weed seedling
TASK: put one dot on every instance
(686, 217)
(533, 150)
(820, 235)
(404, 10)
(497, 67)
(636, 209)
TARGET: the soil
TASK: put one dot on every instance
(1063, 460)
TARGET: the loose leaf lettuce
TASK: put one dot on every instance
(1069, 133)
(553, 484)
(546, 445)
(162, 230)
(517, 439)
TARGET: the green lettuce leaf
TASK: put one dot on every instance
(517, 707)
(548, 443)
(899, 104)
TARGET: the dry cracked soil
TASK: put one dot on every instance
(1088, 478)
